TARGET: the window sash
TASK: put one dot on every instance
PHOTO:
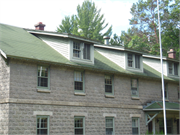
(42, 127)
(134, 87)
(78, 81)
(76, 49)
(108, 84)
(43, 76)
(79, 125)
(137, 61)
(86, 51)
(175, 69)
(109, 125)
(130, 60)
(170, 68)
(135, 125)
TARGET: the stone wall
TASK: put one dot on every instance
(4, 119)
(4, 78)
(24, 86)
(22, 120)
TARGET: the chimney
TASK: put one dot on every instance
(39, 26)
(106, 40)
(171, 54)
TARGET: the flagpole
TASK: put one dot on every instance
(162, 77)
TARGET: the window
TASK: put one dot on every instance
(165, 91)
(79, 124)
(168, 123)
(76, 49)
(134, 87)
(78, 81)
(173, 68)
(42, 125)
(109, 84)
(135, 126)
(134, 61)
(81, 50)
(109, 126)
(43, 74)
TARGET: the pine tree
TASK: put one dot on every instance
(87, 23)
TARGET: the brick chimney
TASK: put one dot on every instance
(171, 54)
(39, 26)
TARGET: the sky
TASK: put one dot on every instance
(27, 13)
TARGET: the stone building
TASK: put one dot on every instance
(57, 83)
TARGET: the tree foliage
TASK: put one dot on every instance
(87, 23)
(144, 33)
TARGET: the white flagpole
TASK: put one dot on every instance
(162, 77)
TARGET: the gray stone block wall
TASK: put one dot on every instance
(4, 78)
(4, 119)
(22, 121)
(23, 85)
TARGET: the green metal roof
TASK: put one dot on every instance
(18, 43)
(158, 105)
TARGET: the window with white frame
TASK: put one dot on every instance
(134, 87)
(135, 126)
(109, 125)
(173, 68)
(42, 125)
(134, 60)
(109, 84)
(78, 81)
(43, 77)
(81, 50)
(79, 125)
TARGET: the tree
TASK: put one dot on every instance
(87, 23)
(144, 34)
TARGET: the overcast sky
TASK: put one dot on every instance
(26, 13)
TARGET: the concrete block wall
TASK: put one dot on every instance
(4, 79)
(4, 119)
(22, 121)
(23, 85)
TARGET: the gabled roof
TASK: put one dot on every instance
(18, 43)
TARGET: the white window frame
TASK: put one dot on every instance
(39, 76)
(83, 81)
(133, 68)
(137, 83)
(81, 59)
(112, 123)
(82, 117)
(112, 84)
(173, 67)
(137, 126)
(42, 116)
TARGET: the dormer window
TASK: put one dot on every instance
(173, 68)
(82, 52)
(133, 60)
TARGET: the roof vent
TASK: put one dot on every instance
(39, 26)
(171, 54)
(106, 40)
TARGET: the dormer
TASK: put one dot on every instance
(127, 59)
(82, 52)
(133, 61)
(74, 48)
